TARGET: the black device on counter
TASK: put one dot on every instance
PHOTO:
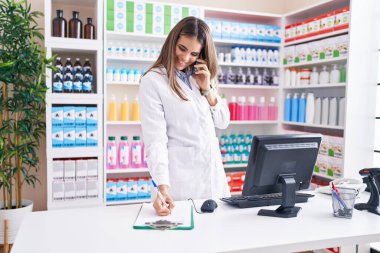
(278, 166)
(372, 179)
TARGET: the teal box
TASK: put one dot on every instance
(111, 192)
(80, 137)
(142, 189)
(68, 116)
(132, 189)
(92, 136)
(252, 32)
(80, 116)
(68, 137)
(260, 32)
(57, 116)
(122, 190)
(91, 116)
(57, 137)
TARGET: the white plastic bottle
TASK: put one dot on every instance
(254, 55)
(259, 56)
(324, 76)
(334, 74)
(298, 78)
(264, 60)
(242, 54)
(287, 78)
(317, 111)
(310, 108)
(270, 57)
(333, 107)
(342, 110)
(276, 79)
(248, 55)
(276, 57)
(325, 111)
(293, 77)
(314, 76)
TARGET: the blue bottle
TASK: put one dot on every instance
(302, 109)
(295, 105)
(288, 107)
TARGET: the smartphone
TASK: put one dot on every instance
(201, 56)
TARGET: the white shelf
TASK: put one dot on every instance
(220, 42)
(249, 65)
(65, 96)
(122, 84)
(123, 202)
(253, 122)
(323, 176)
(317, 37)
(76, 152)
(124, 123)
(126, 171)
(314, 63)
(61, 204)
(125, 36)
(233, 166)
(316, 86)
(70, 44)
(313, 125)
(243, 86)
(130, 59)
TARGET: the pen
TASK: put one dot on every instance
(159, 194)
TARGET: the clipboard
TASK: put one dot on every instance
(181, 218)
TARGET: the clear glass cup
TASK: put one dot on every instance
(343, 202)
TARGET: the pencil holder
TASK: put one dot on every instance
(343, 200)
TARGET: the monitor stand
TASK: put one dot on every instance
(287, 208)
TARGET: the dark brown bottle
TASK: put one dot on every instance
(89, 30)
(75, 26)
(59, 25)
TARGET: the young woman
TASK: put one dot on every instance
(179, 112)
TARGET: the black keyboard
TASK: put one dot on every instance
(271, 199)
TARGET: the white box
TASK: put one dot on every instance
(69, 169)
(58, 190)
(80, 189)
(92, 188)
(235, 29)
(57, 137)
(80, 169)
(158, 18)
(92, 168)
(195, 12)
(80, 116)
(69, 137)
(91, 116)
(58, 169)
(226, 30)
(69, 190)
(80, 136)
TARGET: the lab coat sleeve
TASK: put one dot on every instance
(154, 128)
(220, 113)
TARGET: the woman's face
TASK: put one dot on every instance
(187, 51)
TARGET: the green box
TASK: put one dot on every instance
(296, 60)
(185, 12)
(336, 53)
(316, 169)
(309, 58)
(322, 56)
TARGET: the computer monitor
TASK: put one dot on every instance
(281, 163)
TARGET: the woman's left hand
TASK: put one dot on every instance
(202, 75)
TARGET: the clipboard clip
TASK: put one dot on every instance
(163, 224)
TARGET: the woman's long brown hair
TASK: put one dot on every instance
(192, 27)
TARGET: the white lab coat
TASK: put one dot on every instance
(181, 146)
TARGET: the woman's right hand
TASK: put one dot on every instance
(161, 208)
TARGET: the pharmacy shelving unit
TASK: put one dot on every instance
(358, 90)
(82, 48)
(130, 89)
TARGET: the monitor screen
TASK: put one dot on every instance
(274, 155)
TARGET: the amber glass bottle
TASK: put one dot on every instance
(59, 25)
(75, 26)
(89, 30)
